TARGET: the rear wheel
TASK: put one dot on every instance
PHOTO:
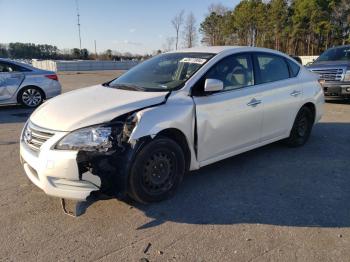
(301, 129)
(31, 96)
(157, 171)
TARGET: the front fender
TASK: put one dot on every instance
(177, 112)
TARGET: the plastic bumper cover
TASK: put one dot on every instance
(56, 173)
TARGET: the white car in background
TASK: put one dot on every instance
(23, 84)
(140, 133)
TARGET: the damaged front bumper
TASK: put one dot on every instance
(57, 172)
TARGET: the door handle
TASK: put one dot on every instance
(254, 102)
(295, 93)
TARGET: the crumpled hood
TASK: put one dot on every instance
(90, 106)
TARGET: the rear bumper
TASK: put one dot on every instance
(55, 89)
(336, 90)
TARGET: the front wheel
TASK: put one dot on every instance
(301, 128)
(31, 97)
(157, 171)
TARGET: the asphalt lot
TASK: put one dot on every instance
(272, 204)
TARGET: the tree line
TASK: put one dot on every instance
(298, 27)
(44, 51)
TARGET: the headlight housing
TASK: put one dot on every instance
(347, 76)
(95, 138)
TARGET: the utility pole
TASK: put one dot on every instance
(78, 16)
(95, 50)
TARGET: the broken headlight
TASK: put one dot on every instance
(96, 138)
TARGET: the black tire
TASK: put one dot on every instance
(31, 96)
(301, 128)
(157, 171)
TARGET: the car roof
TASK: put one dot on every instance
(5, 60)
(206, 49)
(227, 49)
(18, 63)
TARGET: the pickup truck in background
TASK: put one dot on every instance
(333, 66)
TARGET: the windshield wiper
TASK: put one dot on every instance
(128, 87)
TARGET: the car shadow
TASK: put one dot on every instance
(14, 114)
(276, 185)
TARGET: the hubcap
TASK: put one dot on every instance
(159, 172)
(31, 97)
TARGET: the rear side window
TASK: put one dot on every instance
(5, 68)
(294, 68)
(8, 67)
(271, 68)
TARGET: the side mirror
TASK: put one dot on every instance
(212, 85)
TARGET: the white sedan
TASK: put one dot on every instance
(140, 133)
(23, 84)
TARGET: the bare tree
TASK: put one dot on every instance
(177, 22)
(218, 9)
(190, 31)
(169, 44)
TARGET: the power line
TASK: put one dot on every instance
(95, 49)
(78, 16)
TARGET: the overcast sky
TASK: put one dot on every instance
(137, 26)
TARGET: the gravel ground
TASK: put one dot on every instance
(270, 204)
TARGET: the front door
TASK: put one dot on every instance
(230, 120)
(10, 80)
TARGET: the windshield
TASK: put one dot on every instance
(162, 73)
(335, 54)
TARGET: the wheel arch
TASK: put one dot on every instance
(311, 106)
(179, 137)
(32, 86)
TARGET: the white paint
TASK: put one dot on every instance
(226, 124)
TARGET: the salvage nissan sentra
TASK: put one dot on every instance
(140, 133)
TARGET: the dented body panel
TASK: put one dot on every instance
(214, 127)
(111, 103)
(12, 83)
(177, 113)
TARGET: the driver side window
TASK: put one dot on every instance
(235, 72)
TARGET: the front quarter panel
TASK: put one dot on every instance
(177, 112)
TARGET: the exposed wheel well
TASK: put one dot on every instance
(32, 86)
(312, 108)
(180, 138)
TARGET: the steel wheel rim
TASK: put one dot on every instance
(31, 97)
(302, 126)
(159, 172)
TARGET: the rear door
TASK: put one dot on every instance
(229, 120)
(281, 94)
(10, 79)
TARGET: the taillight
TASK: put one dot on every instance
(52, 77)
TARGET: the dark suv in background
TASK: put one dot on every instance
(333, 66)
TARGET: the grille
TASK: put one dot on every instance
(335, 74)
(34, 136)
